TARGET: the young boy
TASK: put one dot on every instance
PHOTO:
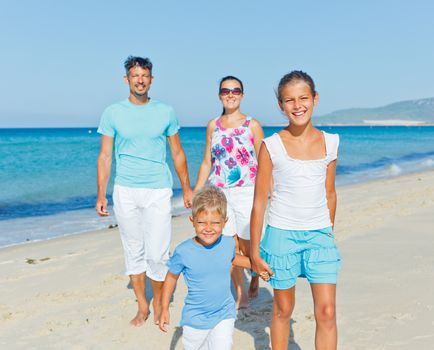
(209, 312)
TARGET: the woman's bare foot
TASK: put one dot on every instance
(254, 287)
(242, 302)
(157, 311)
(141, 317)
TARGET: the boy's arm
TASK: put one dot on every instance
(241, 261)
(168, 288)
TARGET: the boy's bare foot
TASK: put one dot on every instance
(254, 287)
(140, 318)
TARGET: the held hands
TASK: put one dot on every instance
(164, 320)
(101, 206)
(188, 198)
(261, 268)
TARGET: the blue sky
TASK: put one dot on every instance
(61, 61)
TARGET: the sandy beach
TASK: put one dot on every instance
(70, 292)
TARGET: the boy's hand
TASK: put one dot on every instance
(164, 320)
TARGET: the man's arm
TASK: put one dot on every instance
(103, 174)
(168, 289)
(180, 163)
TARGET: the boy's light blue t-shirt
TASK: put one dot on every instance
(139, 133)
(207, 275)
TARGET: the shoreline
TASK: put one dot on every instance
(70, 292)
(180, 212)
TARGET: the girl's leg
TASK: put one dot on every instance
(237, 274)
(220, 337)
(283, 305)
(324, 299)
(254, 282)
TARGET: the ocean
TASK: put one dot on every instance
(48, 176)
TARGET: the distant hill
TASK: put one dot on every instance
(413, 112)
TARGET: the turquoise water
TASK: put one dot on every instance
(48, 182)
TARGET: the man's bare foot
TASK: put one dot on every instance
(140, 318)
(254, 287)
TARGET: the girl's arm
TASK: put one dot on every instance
(262, 187)
(205, 167)
(331, 190)
(168, 289)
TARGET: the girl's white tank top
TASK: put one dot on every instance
(299, 199)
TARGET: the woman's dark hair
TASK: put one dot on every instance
(135, 61)
(230, 77)
(292, 77)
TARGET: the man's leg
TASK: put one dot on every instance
(158, 231)
(128, 217)
(138, 284)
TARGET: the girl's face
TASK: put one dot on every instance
(231, 95)
(297, 103)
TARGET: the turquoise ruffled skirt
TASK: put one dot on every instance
(292, 253)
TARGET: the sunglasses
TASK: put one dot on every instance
(235, 91)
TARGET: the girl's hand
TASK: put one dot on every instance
(261, 268)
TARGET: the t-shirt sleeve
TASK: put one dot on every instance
(175, 264)
(173, 126)
(106, 126)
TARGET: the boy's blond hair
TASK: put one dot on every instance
(209, 198)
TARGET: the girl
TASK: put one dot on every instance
(232, 143)
(298, 240)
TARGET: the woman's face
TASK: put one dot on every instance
(297, 102)
(231, 95)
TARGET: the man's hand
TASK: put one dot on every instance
(188, 198)
(101, 206)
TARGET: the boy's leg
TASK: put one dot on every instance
(283, 305)
(221, 336)
(324, 299)
(128, 218)
(194, 339)
(158, 230)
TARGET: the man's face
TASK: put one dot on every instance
(139, 80)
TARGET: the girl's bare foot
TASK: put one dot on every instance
(242, 301)
(157, 311)
(254, 287)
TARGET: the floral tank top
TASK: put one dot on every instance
(233, 156)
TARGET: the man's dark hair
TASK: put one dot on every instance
(135, 61)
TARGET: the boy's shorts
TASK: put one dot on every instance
(297, 253)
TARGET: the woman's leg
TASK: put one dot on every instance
(283, 305)
(237, 274)
(324, 299)
(254, 282)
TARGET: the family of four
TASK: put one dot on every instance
(292, 171)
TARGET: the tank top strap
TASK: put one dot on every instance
(332, 145)
(247, 122)
(274, 145)
(218, 124)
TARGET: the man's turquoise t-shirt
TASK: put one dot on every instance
(139, 133)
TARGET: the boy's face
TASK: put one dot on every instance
(208, 226)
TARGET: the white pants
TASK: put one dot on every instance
(240, 202)
(217, 338)
(144, 219)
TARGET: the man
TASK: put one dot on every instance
(139, 127)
